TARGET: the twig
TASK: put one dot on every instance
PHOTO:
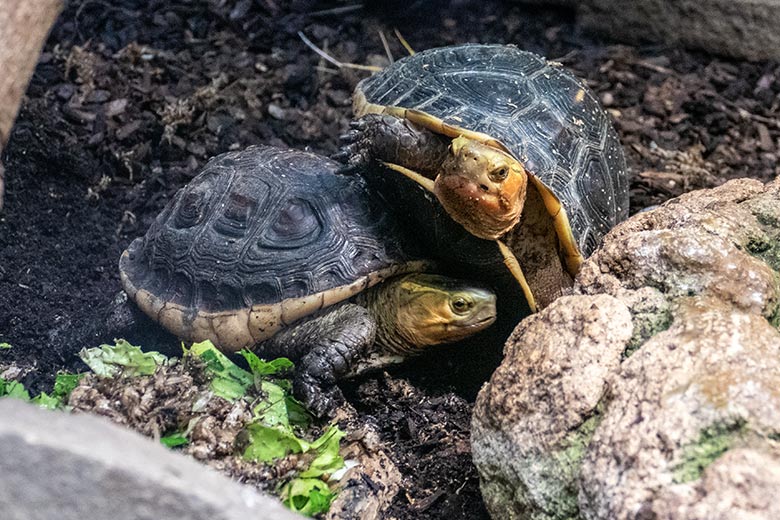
(330, 59)
(404, 42)
(744, 114)
(652, 66)
(338, 10)
(386, 46)
(321, 68)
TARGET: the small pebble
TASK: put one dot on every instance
(116, 107)
(276, 111)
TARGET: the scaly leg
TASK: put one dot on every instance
(324, 349)
(393, 140)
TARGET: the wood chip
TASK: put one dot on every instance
(764, 139)
(128, 130)
(116, 107)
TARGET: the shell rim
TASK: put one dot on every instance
(243, 327)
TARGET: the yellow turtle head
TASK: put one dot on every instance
(431, 309)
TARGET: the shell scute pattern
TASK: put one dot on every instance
(260, 226)
(545, 115)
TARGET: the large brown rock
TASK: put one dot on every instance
(707, 385)
(654, 391)
(744, 29)
(738, 28)
(534, 419)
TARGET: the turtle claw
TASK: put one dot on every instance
(358, 144)
(348, 169)
(352, 159)
(354, 152)
(321, 402)
(351, 137)
(341, 156)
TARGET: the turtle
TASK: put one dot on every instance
(269, 249)
(515, 148)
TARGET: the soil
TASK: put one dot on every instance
(129, 99)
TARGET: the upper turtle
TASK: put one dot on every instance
(489, 124)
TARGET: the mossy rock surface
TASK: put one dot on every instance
(671, 343)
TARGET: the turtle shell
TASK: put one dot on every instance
(259, 239)
(541, 113)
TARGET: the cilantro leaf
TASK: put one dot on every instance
(44, 400)
(229, 381)
(13, 389)
(122, 357)
(270, 443)
(64, 384)
(175, 439)
(308, 496)
(262, 368)
(328, 459)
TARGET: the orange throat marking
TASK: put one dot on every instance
(483, 214)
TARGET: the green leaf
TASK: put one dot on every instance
(5, 346)
(229, 381)
(308, 496)
(44, 400)
(124, 358)
(297, 414)
(13, 389)
(174, 439)
(271, 443)
(262, 368)
(272, 409)
(64, 384)
(328, 459)
(55, 400)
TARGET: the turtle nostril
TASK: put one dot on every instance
(483, 188)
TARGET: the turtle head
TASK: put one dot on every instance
(482, 188)
(431, 309)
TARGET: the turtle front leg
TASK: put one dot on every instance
(325, 349)
(393, 140)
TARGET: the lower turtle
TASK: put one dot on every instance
(515, 148)
(271, 250)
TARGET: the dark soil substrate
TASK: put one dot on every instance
(130, 98)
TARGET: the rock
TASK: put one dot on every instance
(707, 385)
(80, 467)
(535, 417)
(721, 241)
(753, 474)
(667, 404)
(744, 29)
(737, 28)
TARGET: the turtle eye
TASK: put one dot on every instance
(460, 305)
(499, 174)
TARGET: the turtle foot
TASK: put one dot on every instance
(318, 399)
(355, 150)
